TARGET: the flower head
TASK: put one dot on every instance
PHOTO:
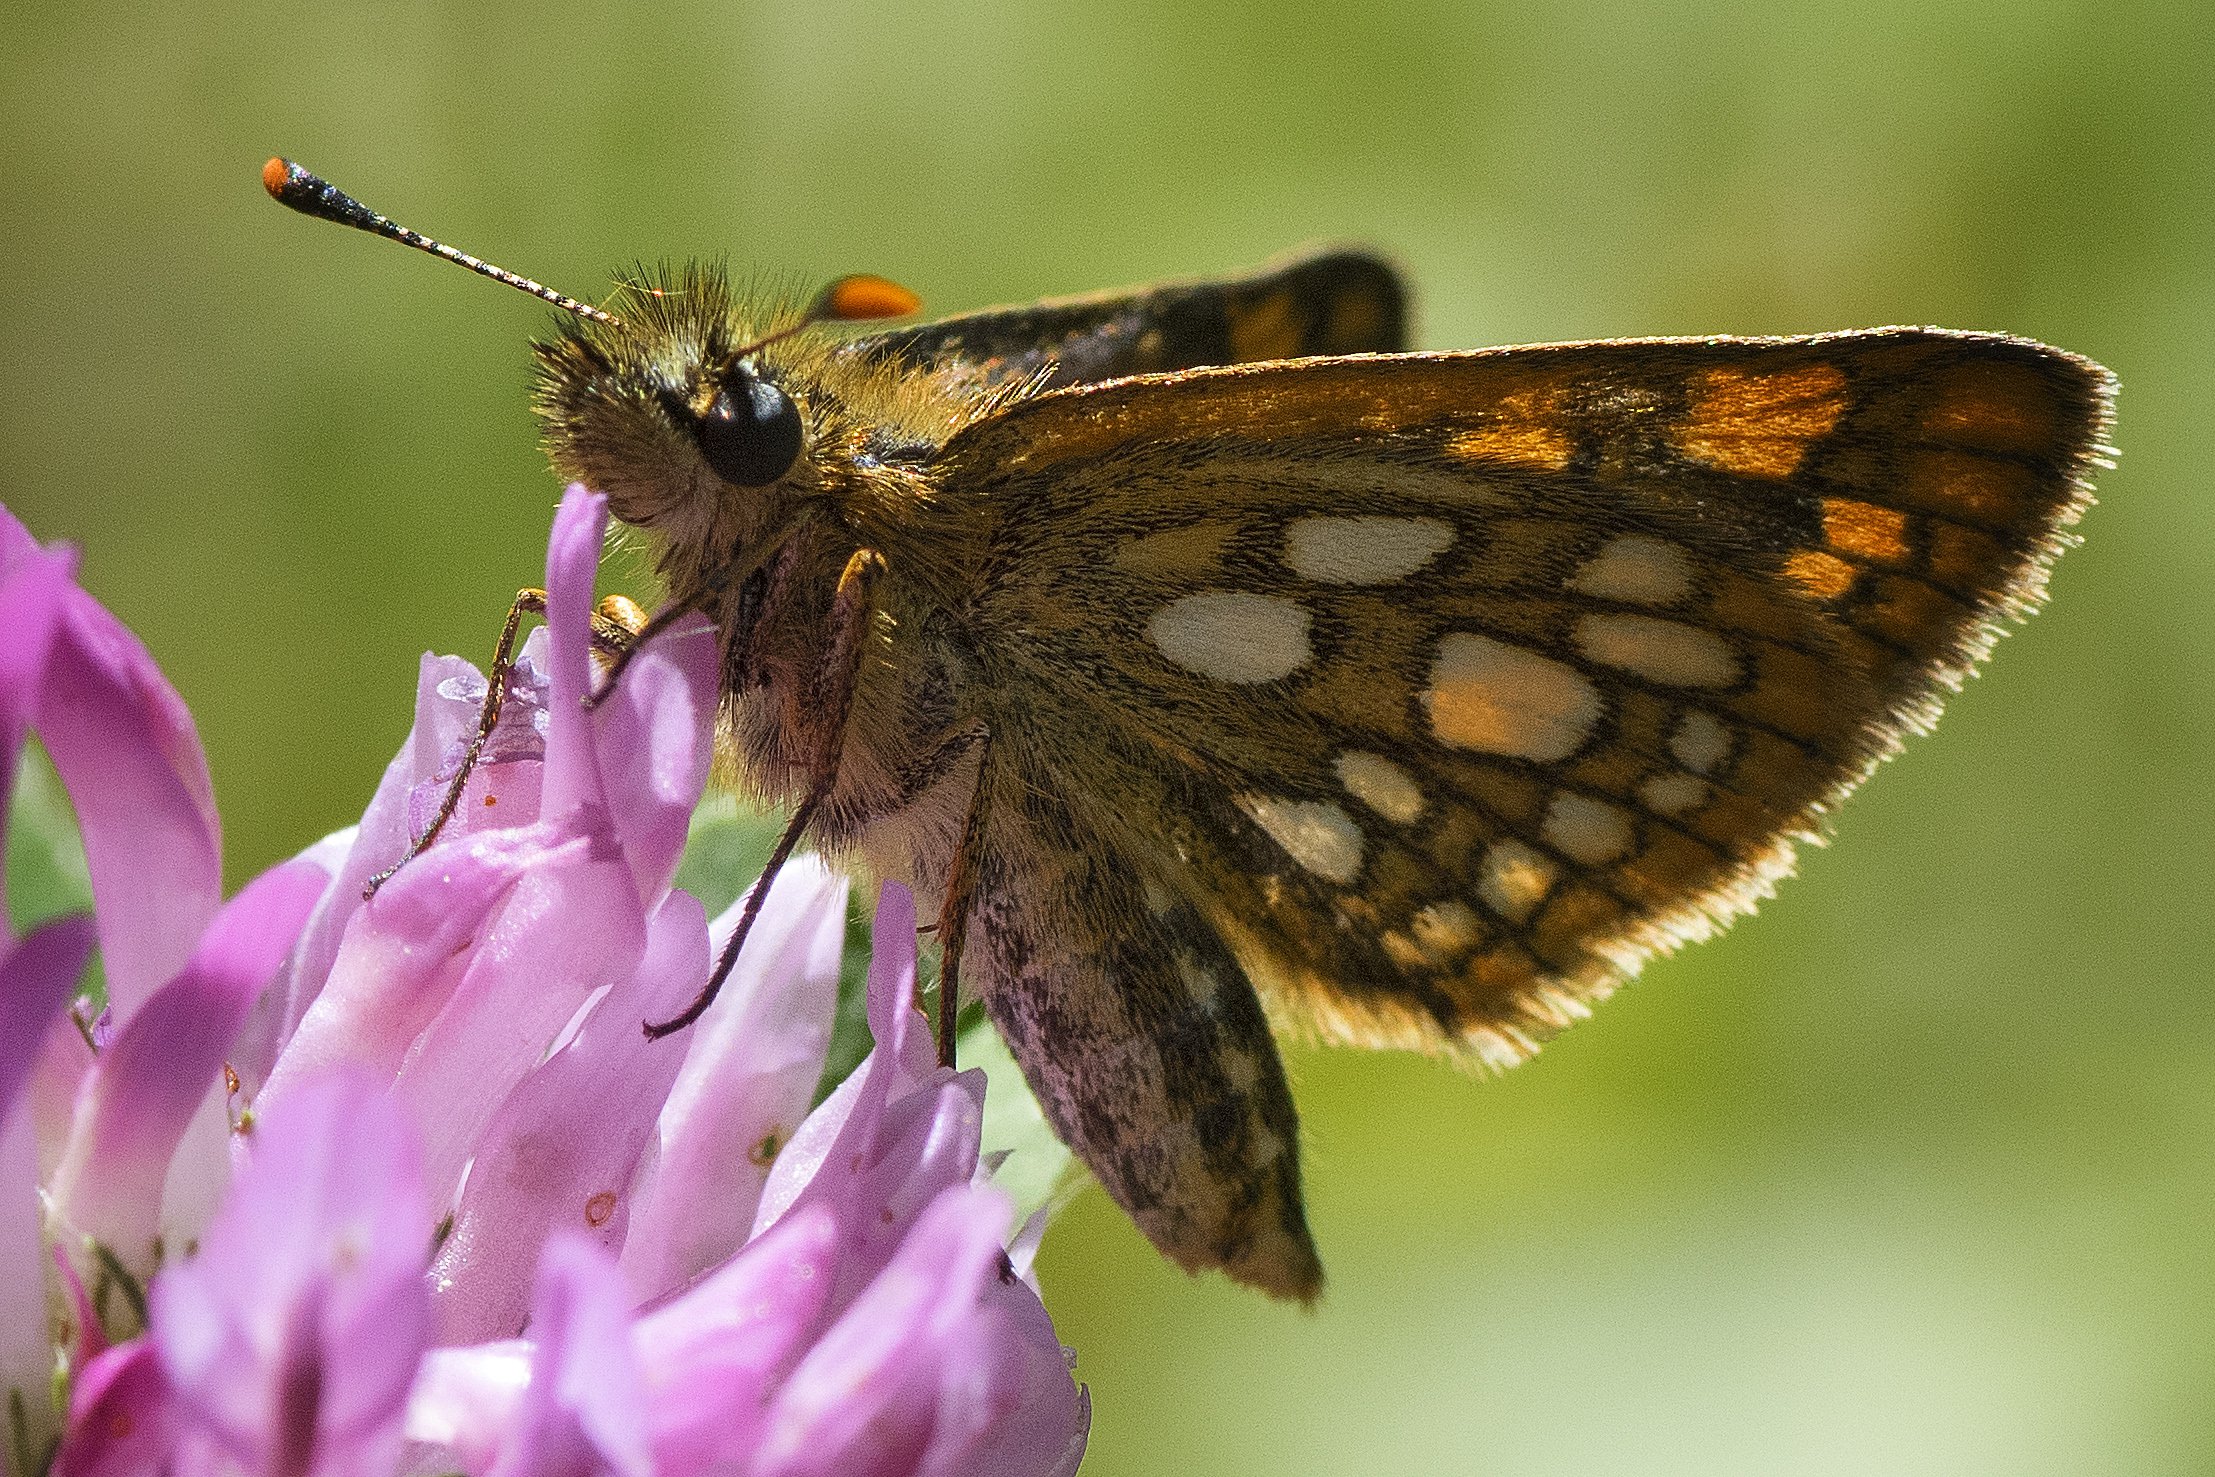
(348, 1186)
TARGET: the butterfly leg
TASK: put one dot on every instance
(706, 595)
(832, 702)
(961, 891)
(619, 627)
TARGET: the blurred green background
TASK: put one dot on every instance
(1912, 1173)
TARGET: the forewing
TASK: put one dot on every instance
(1338, 302)
(1448, 687)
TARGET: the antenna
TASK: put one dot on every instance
(311, 194)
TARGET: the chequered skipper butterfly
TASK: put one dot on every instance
(1219, 661)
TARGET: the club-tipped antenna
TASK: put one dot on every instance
(311, 194)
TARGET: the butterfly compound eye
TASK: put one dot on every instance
(750, 433)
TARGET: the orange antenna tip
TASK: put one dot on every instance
(274, 174)
(859, 297)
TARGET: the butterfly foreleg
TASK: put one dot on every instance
(706, 596)
(619, 628)
(853, 611)
(961, 891)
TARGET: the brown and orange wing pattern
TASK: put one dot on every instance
(1444, 689)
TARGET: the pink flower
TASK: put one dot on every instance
(395, 1185)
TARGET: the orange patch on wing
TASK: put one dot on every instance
(1521, 430)
(1671, 866)
(1912, 614)
(1794, 693)
(1865, 530)
(1826, 576)
(1760, 425)
(1774, 771)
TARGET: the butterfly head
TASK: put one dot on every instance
(689, 403)
(699, 397)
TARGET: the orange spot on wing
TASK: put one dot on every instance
(1865, 530)
(1825, 575)
(1521, 430)
(1912, 614)
(1963, 557)
(1760, 425)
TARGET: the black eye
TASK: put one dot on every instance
(751, 433)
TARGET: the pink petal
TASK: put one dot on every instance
(894, 1135)
(37, 978)
(713, 1356)
(560, 1154)
(568, 927)
(131, 761)
(123, 1420)
(911, 1379)
(465, 1400)
(276, 1013)
(403, 954)
(655, 741)
(750, 1067)
(296, 1330)
(645, 755)
(26, 1352)
(145, 1087)
(572, 560)
(838, 1140)
(584, 1412)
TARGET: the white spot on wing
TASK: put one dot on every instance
(1381, 785)
(1515, 879)
(1701, 742)
(1315, 833)
(1669, 652)
(1672, 794)
(1488, 695)
(1637, 569)
(1364, 551)
(1232, 636)
(1586, 830)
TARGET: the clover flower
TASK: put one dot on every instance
(341, 1187)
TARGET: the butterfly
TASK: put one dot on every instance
(1227, 667)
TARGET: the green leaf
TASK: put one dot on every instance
(725, 850)
(46, 859)
(46, 872)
